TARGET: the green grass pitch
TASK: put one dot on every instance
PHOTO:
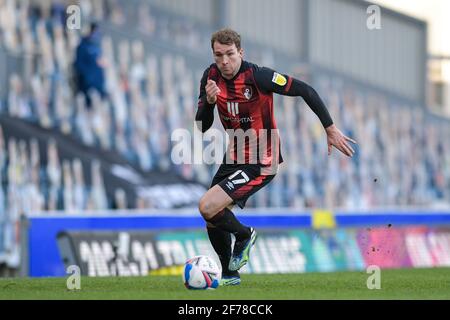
(395, 284)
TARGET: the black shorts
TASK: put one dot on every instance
(240, 181)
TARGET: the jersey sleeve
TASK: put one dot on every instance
(205, 111)
(269, 80)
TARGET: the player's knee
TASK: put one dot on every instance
(206, 208)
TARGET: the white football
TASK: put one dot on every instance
(201, 273)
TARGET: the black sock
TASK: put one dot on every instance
(221, 242)
(227, 221)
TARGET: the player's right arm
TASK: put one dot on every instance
(206, 102)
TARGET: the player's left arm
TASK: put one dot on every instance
(271, 81)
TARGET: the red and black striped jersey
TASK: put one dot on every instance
(245, 107)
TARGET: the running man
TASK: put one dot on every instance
(243, 93)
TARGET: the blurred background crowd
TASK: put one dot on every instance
(126, 82)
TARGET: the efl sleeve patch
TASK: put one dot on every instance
(279, 79)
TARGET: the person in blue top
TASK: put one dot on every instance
(89, 65)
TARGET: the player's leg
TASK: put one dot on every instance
(214, 209)
(221, 242)
(242, 247)
(237, 186)
(220, 239)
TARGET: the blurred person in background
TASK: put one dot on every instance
(89, 65)
(2, 190)
(97, 197)
(79, 187)
(68, 190)
(243, 93)
(54, 175)
(120, 199)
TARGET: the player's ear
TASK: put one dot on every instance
(241, 52)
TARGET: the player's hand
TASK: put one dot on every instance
(212, 90)
(337, 139)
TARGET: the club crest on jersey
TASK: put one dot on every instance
(247, 92)
(279, 79)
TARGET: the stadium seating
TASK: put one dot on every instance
(403, 156)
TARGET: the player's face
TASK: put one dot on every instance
(228, 58)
